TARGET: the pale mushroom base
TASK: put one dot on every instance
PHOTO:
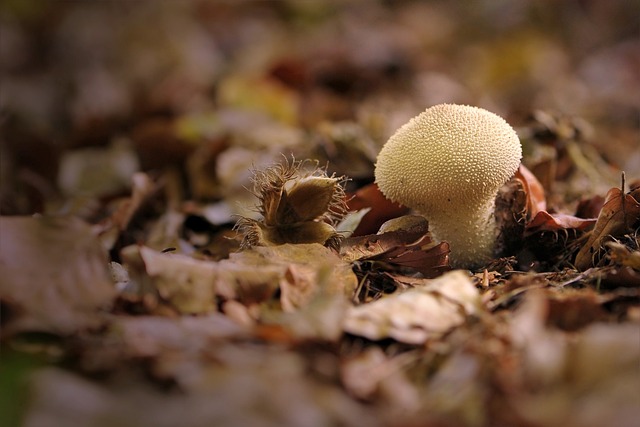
(471, 238)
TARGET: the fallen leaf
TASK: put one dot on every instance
(573, 310)
(619, 214)
(418, 314)
(159, 144)
(98, 171)
(372, 374)
(544, 221)
(319, 320)
(622, 255)
(187, 284)
(54, 275)
(616, 277)
(382, 209)
(406, 244)
(534, 191)
(239, 386)
(309, 269)
(154, 336)
(143, 187)
(601, 361)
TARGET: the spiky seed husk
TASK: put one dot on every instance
(308, 198)
(296, 207)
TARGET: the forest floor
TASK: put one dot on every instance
(191, 232)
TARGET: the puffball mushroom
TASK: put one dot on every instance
(448, 164)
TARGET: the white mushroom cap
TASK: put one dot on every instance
(449, 163)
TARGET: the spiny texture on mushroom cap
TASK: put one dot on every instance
(449, 163)
(446, 156)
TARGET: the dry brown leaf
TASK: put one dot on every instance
(601, 361)
(96, 171)
(408, 245)
(538, 219)
(619, 213)
(187, 284)
(239, 386)
(544, 221)
(534, 191)
(193, 286)
(202, 170)
(159, 145)
(372, 374)
(308, 269)
(571, 310)
(419, 314)
(143, 187)
(152, 336)
(382, 209)
(616, 277)
(621, 255)
(54, 275)
(319, 320)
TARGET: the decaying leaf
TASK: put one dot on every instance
(373, 374)
(143, 187)
(319, 320)
(620, 254)
(296, 207)
(538, 219)
(381, 209)
(544, 221)
(193, 286)
(534, 191)
(402, 242)
(619, 215)
(54, 275)
(186, 283)
(240, 386)
(601, 359)
(252, 276)
(418, 314)
(306, 270)
(98, 171)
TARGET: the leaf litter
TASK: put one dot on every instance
(166, 260)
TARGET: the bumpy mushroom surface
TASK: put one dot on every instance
(448, 163)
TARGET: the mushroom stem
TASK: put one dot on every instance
(471, 232)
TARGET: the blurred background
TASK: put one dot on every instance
(92, 92)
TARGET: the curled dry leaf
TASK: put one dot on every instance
(419, 314)
(619, 215)
(143, 187)
(54, 275)
(403, 242)
(538, 219)
(382, 209)
(534, 191)
(544, 221)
